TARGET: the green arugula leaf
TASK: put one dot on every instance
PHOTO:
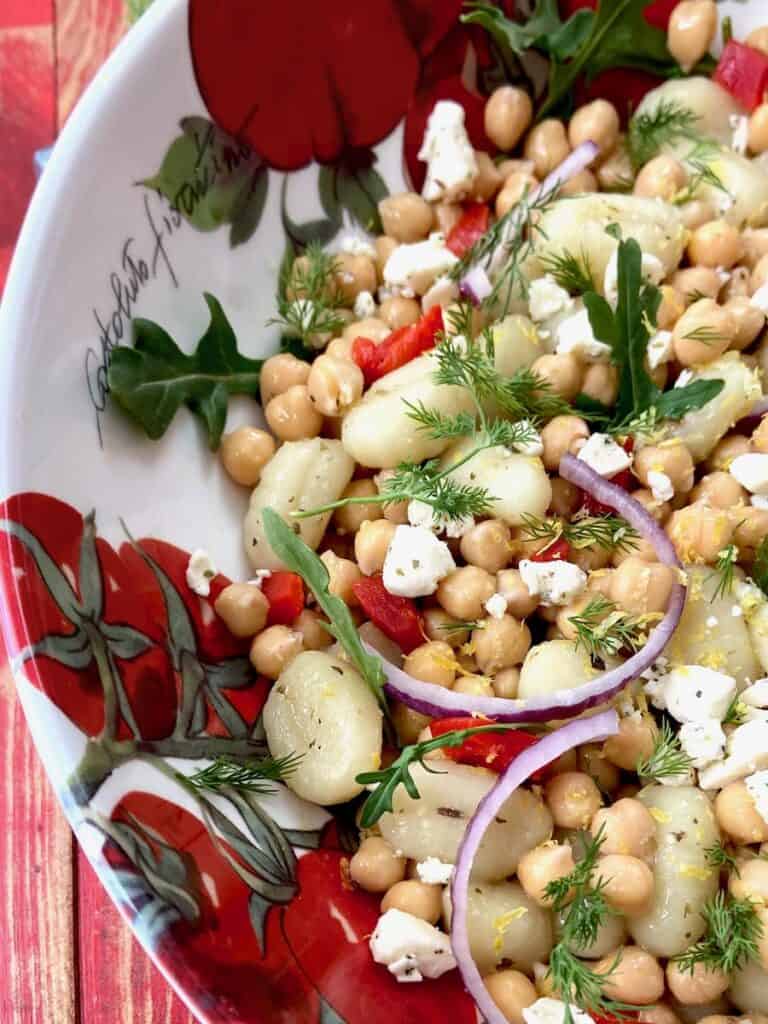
(151, 380)
(300, 558)
(674, 404)
(602, 319)
(515, 37)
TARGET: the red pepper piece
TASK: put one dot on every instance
(743, 71)
(494, 750)
(558, 550)
(285, 593)
(471, 226)
(396, 617)
(399, 348)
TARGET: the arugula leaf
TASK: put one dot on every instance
(300, 558)
(674, 404)
(543, 30)
(154, 378)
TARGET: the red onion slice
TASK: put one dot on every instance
(437, 702)
(476, 285)
(548, 749)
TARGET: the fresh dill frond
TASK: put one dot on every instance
(649, 133)
(603, 631)
(706, 335)
(700, 173)
(571, 272)
(718, 857)
(461, 318)
(668, 758)
(736, 713)
(731, 939)
(437, 425)
(724, 571)
(610, 533)
(309, 296)
(251, 776)
(458, 626)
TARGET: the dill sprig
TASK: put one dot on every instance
(706, 335)
(610, 533)
(724, 571)
(255, 776)
(701, 173)
(649, 133)
(571, 272)
(718, 857)
(736, 713)
(603, 631)
(459, 626)
(316, 298)
(731, 939)
(667, 759)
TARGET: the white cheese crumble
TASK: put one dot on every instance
(415, 562)
(546, 299)
(602, 454)
(556, 582)
(685, 378)
(747, 748)
(751, 471)
(661, 485)
(433, 871)
(757, 787)
(703, 742)
(692, 693)
(739, 132)
(200, 572)
(496, 606)
(365, 305)
(448, 153)
(660, 349)
(534, 447)
(651, 268)
(552, 1011)
(410, 948)
(575, 336)
(422, 514)
(413, 263)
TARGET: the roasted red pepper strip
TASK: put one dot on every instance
(558, 550)
(743, 71)
(471, 226)
(285, 593)
(396, 617)
(399, 348)
(494, 750)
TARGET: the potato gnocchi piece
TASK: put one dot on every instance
(505, 925)
(518, 483)
(553, 665)
(743, 200)
(713, 106)
(322, 709)
(434, 825)
(749, 988)
(684, 881)
(301, 474)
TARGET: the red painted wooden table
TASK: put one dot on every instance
(69, 957)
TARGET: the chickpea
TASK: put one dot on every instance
(433, 662)
(694, 282)
(509, 166)
(703, 333)
(399, 312)
(562, 435)
(692, 28)
(372, 541)
(600, 582)
(438, 626)
(757, 138)
(641, 548)
(243, 609)
(547, 145)
(660, 510)
(719, 490)
(563, 373)
(633, 742)
(566, 498)
(376, 867)
(506, 683)
(759, 437)
(567, 613)
(749, 321)
(642, 587)
(661, 178)
(273, 649)
(596, 122)
(637, 979)
(463, 593)
(727, 450)
(581, 183)
(513, 190)
(671, 458)
(627, 828)
(542, 865)
(755, 242)
(487, 545)
(695, 988)
(292, 416)
(616, 171)
(500, 643)
(628, 882)
(355, 273)
(759, 274)
(474, 686)
(751, 883)
(750, 525)
(349, 518)
(245, 452)
(696, 212)
(660, 1014)
(699, 532)
(520, 601)
(573, 798)
(512, 992)
(314, 637)
(508, 114)
(601, 382)
(279, 373)
(343, 575)
(488, 180)
(416, 898)
(408, 723)
(406, 217)
(593, 761)
(567, 762)
(334, 384)
(716, 244)
(737, 815)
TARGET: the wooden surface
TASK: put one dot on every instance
(68, 956)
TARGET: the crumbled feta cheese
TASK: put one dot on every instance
(575, 336)
(652, 270)
(357, 245)
(496, 606)
(740, 132)
(422, 514)
(759, 501)
(703, 742)
(756, 695)
(259, 576)
(552, 1011)
(602, 454)
(760, 299)
(556, 582)
(433, 871)
(751, 470)
(416, 265)
(661, 486)
(692, 693)
(546, 298)
(535, 446)
(747, 748)
(365, 305)
(200, 572)
(757, 787)
(448, 153)
(415, 562)
(442, 293)
(659, 349)
(411, 949)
